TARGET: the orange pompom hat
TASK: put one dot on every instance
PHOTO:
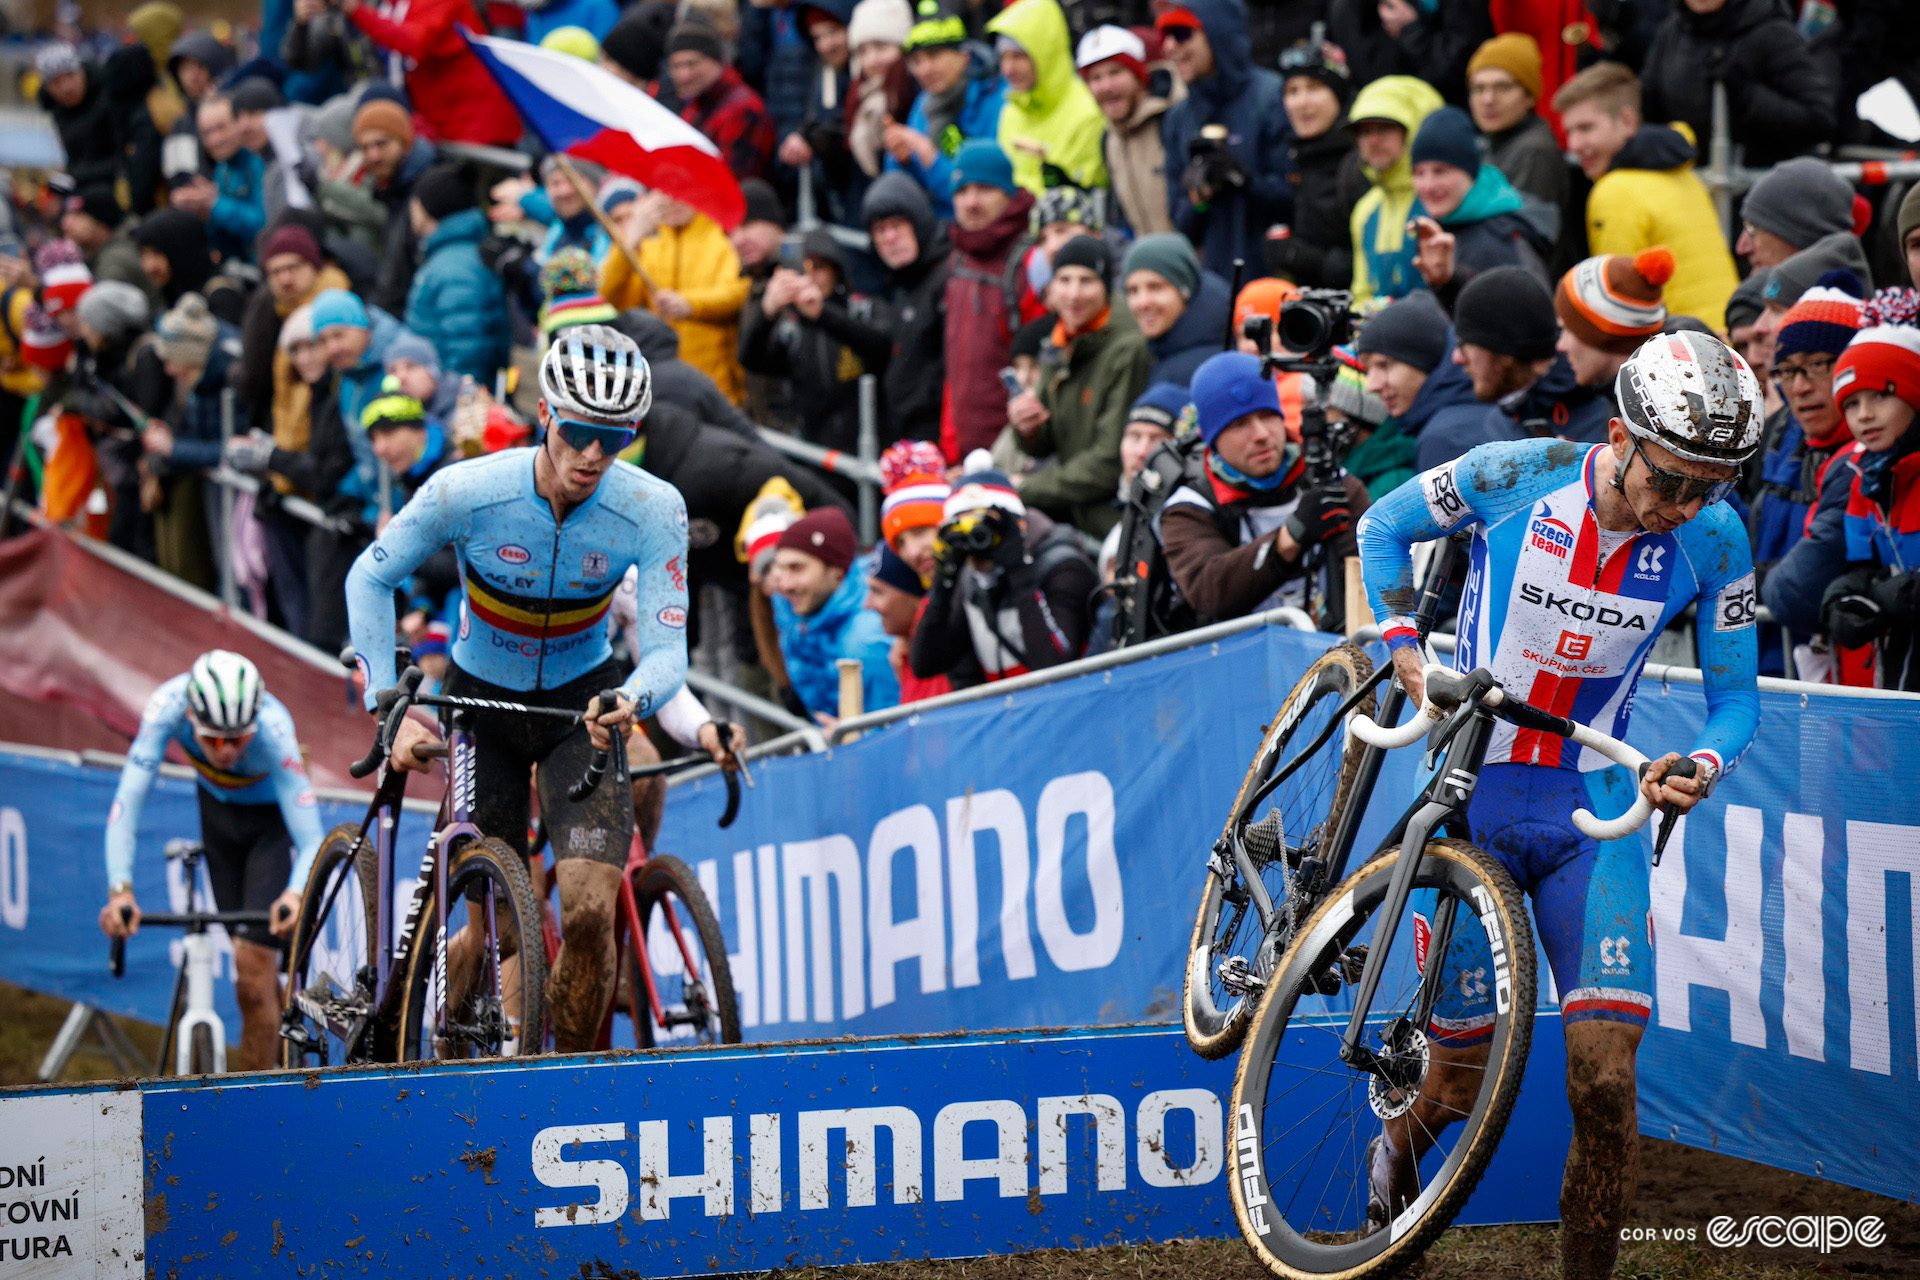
(1614, 302)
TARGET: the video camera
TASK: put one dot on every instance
(1311, 326)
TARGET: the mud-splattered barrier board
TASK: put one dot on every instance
(668, 1164)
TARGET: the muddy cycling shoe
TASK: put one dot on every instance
(1381, 1171)
(1344, 972)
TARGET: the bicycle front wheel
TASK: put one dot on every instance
(696, 1002)
(1352, 1171)
(332, 958)
(479, 989)
(1232, 953)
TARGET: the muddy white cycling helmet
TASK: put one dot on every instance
(1693, 394)
(223, 694)
(596, 372)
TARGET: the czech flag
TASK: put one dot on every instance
(581, 109)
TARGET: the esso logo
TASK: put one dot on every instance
(513, 554)
(672, 616)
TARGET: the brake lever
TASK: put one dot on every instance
(1685, 767)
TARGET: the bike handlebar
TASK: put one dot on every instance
(196, 920)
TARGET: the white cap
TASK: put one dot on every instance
(1106, 42)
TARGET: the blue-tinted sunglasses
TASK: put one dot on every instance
(583, 435)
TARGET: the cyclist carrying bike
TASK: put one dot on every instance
(259, 821)
(1581, 556)
(544, 536)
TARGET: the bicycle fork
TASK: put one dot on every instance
(198, 964)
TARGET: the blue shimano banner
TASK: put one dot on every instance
(53, 882)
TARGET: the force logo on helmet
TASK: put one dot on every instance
(1692, 394)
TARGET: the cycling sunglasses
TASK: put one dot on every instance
(1678, 487)
(237, 739)
(584, 435)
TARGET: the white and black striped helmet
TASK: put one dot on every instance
(223, 693)
(596, 372)
(1694, 394)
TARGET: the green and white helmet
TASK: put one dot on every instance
(223, 693)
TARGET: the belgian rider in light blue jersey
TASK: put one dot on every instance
(544, 536)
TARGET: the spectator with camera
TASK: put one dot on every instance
(1091, 372)
(1317, 251)
(1113, 62)
(820, 609)
(1228, 178)
(1384, 118)
(1238, 533)
(913, 250)
(1010, 588)
(989, 217)
(232, 202)
(1181, 310)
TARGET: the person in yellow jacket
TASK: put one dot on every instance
(690, 276)
(1384, 117)
(1049, 116)
(1645, 191)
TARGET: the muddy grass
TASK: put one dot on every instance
(1680, 1187)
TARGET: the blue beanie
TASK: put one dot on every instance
(1227, 388)
(336, 308)
(897, 573)
(1448, 136)
(1160, 404)
(982, 161)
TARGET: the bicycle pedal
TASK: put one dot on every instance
(1238, 977)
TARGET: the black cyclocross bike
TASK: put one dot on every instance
(1341, 1049)
(466, 975)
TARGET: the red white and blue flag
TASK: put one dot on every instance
(576, 107)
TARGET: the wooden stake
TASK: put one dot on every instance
(600, 216)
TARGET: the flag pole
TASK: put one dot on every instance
(585, 193)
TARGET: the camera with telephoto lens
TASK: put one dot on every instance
(1316, 322)
(976, 533)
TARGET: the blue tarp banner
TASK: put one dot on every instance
(1035, 860)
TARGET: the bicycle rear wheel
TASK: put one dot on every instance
(479, 990)
(332, 957)
(698, 1005)
(1315, 1189)
(1230, 955)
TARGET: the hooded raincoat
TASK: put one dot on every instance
(1059, 112)
(1382, 250)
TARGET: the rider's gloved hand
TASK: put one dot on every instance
(602, 721)
(724, 742)
(249, 454)
(111, 922)
(282, 914)
(1322, 514)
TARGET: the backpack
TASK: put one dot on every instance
(1147, 602)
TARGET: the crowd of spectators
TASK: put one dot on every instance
(310, 262)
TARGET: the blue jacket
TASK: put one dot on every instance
(456, 303)
(196, 433)
(240, 211)
(777, 57)
(1793, 588)
(357, 389)
(597, 16)
(979, 118)
(1556, 406)
(1445, 404)
(844, 628)
(1195, 336)
(1247, 100)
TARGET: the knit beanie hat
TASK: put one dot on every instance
(917, 502)
(295, 329)
(1509, 312)
(905, 458)
(935, 26)
(1318, 60)
(1515, 53)
(1824, 320)
(1885, 354)
(570, 283)
(436, 641)
(444, 190)
(897, 573)
(392, 408)
(383, 115)
(1749, 300)
(616, 191)
(186, 333)
(577, 41)
(333, 122)
(1349, 392)
(1448, 136)
(336, 308)
(63, 275)
(45, 345)
(415, 349)
(879, 22)
(1085, 251)
(695, 37)
(114, 309)
(1840, 251)
(1169, 256)
(254, 95)
(983, 485)
(1160, 404)
(824, 533)
(1613, 302)
(292, 239)
(98, 203)
(56, 58)
(635, 43)
(1909, 216)
(981, 161)
(769, 515)
(1227, 388)
(1801, 201)
(1413, 330)
(1112, 44)
(1066, 204)
(763, 202)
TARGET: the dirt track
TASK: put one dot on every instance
(1680, 1187)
